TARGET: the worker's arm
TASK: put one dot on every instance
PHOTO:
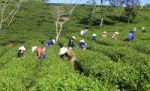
(37, 53)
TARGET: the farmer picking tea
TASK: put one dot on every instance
(64, 52)
(82, 44)
(143, 30)
(131, 35)
(83, 32)
(21, 51)
(71, 42)
(115, 35)
(94, 37)
(49, 43)
(40, 53)
(104, 34)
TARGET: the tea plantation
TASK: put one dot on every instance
(109, 65)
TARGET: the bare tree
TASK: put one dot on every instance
(62, 13)
(102, 19)
(3, 9)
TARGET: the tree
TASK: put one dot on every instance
(123, 2)
(130, 10)
(147, 7)
(102, 13)
(130, 13)
(101, 10)
(129, 7)
(62, 13)
(116, 2)
(5, 5)
(91, 9)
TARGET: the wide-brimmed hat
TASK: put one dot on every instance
(104, 32)
(86, 30)
(73, 37)
(53, 40)
(116, 33)
(22, 48)
(82, 41)
(63, 51)
(34, 48)
(94, 34)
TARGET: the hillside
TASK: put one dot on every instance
(109, 65)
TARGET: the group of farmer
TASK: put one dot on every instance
(67, 52)
(104, 35)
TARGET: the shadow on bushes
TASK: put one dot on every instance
(120, 19)
(96, 22)
(12, 43)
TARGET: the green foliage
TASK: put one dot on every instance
(108, 65)
(130, 13)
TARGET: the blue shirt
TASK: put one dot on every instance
(94, 38)
(130, 36)
(49, 43)
(82, 45)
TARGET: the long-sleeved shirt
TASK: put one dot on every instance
(114, 36)
(39, 52)
(49, 43)
(20, 53)
(130, 36)
(82, 45)
(71, 43)
(104, 35)
(94, 38)
(82, 32)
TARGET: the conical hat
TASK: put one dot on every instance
(22, 48)
(34, 48)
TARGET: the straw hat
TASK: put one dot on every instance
(22, 48)
(34, 48)
(73, 37)
(86, 30)
(82, 41)
(63, 50)
(94, 34)
(53, 40)
(116, 33)
(104, 32)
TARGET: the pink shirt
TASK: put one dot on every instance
(114, 36)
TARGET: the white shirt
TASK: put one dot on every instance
(104, 35)
(82, 32)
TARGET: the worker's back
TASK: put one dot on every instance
(40, 52)
(71, 55)
(131, 36)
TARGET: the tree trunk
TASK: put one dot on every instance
(13, 17)
(57, 36)
(18, 7)
(58, 33)
(101, 24)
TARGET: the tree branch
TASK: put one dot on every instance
(18, 6)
